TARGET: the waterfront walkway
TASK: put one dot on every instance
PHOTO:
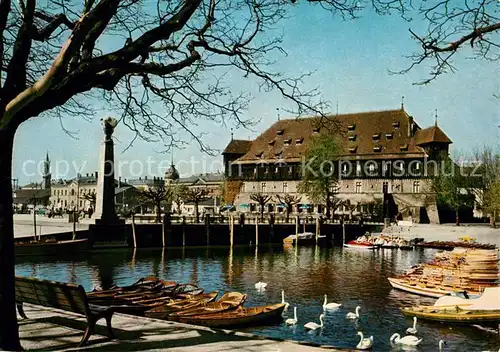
(55, 330)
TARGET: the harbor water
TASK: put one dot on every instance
(351, 277)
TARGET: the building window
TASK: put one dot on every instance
(65, 192)
(416, 186)
(358, 187)
(289, 170)
(335, 188)
(358, 169)
(388, 136)
(285, 187)
(263, 187)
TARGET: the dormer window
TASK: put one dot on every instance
(299, 141)
(377, 148)
(352, 138)
(287, 141)
(280, 132)
(259, 155)
(351, 127)
(279, 155)
(353, 149)
(404, 148)
(395, 124)
(316, 130)
(388, 136)
(271, 143)
(376, 136)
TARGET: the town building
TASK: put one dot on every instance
(385, 156)
(33, 194)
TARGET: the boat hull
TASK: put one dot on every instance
(51, 248)
(242, 317)
(461, 316)
(358, 246)
(418, 290)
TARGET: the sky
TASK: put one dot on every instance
(351, 61)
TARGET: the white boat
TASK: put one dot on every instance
(304, 238)
(359, 245)
(421, 288)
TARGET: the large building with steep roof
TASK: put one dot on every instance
(380, 153)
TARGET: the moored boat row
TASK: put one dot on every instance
(186, 303)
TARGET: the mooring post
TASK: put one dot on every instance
(271, 228)
(256, 231)
(163, 239)
(133, 230)
(207, 228)
(74, 224)
(183, 231)
(343, 230)
(297, 219)
(317, 229)
(231, 230)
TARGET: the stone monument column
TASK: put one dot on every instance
(105, 212)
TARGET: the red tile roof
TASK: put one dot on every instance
(237, 146)
(432, 135)
(378, 134)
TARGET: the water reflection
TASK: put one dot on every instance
(351, 277)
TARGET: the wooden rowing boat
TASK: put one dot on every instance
(423, 289)
(240, 317)
(228, 301)
(455, 309)
(162, 311)
(51, 247)
(360, 245)
(454, 315)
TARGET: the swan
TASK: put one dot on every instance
(408, 340)
(352, 315)
(292, 321)
(330, 305)
(413, 330)
(283, 300)
(364, 343)
(260, 285)
(313, 326)
(441, 345)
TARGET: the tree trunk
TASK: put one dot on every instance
(196, 212)
(288, 208)
(457, 218)
(9, 334)
(158, 212)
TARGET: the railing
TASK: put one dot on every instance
(246, 218)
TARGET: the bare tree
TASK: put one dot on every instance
(288, 200)
(157, 195)
(451, 27)
(56, 56)
(196, 196)
(262, 200)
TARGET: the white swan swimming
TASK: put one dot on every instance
(413, 330)
(408, 340)
(283, 300)
(313, 326)
(292, 321)
(441, 345)
(352, 315)
(364, 343)
(330, 305)
(260, 285)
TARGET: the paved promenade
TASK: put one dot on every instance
(55, 330)
(23, 225)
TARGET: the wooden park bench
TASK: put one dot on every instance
(61, 296)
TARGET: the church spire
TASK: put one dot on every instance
(436, 117)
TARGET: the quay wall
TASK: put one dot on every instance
(177, 235)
